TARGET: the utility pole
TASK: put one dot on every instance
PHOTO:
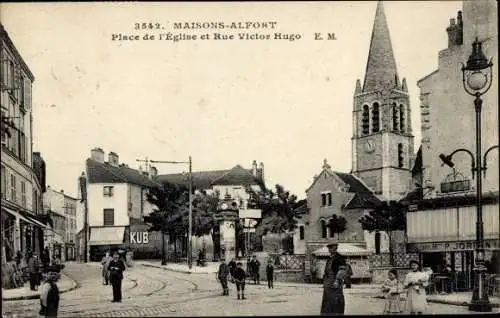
(190, 230)
(83, 192)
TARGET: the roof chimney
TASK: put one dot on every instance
(455, 31)
(113, 159)
(153, 172)
(97, 154)
(260, 171)
(254, 168)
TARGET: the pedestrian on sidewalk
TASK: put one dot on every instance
(336, 270)
(392, 289)
(239, 277)
(116, 268)
(270, 273)
(32, 270)
(416, 281)
(255, 267)
(49, 293)
(105, 268)
(222, 277)
(45, 259)
(232, 268)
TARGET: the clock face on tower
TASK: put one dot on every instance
(369, 147)
(224, 206)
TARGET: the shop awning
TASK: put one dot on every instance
(343, 249)
(106, 235)
(17, 215)
(35, 221)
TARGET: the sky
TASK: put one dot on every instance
(285, 103)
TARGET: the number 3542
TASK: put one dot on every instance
(147, 26)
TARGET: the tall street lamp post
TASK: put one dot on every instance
(477, 79)
(190, 231)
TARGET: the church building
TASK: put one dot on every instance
(382, 140)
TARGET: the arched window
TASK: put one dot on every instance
(377, 243)
(395, 121)
(402, 118)
(366, 120)
(323, 228)
(375, 118)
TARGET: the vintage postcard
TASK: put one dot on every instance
(249, 158)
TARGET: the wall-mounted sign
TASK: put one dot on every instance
(453, 246)
(139, 237)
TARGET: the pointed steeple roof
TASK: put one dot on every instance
(381, 66)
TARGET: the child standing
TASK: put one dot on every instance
(270, 274)
(239, 278)
(222, 277)
(392, 290)
(49, 293)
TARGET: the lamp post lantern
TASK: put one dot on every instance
(477, 79)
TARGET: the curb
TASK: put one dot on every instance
(36, 296)
(447, 302)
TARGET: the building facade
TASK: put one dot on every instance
(382, 141)
(116, 203)
(57, 204)
(442, 223)
(22, 171)
(233, 183)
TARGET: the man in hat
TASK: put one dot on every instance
(116, 268)
(333, 302)
(32, 269)
(49, 292)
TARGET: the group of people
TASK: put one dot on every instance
(234, 272)
(112, 272)
(414, 285)
(337, 271)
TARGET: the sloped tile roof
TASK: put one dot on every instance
(206, 179)
(201, 180)
(98, 172)
(237, 175)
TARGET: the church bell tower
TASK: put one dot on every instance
(382, 141)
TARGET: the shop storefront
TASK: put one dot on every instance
(443, 232)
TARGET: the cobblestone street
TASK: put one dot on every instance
(150, 291)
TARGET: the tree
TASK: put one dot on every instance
(168, 214)
(388, 216)
(278, 210)
(337, 224)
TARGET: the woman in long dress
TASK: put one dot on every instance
(416, 281)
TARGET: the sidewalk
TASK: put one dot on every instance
(457, 299)
(65, 284)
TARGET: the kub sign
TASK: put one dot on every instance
(139, 237)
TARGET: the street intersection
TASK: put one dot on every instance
(151, 291)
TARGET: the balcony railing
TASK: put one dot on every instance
(455, 186)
